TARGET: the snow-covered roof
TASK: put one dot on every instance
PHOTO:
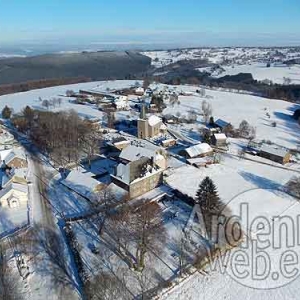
(198, 150)
(132, 153)
(220, 136)
(6, 138)
(163, 127)
(14, 153)
(221, 123)
(14, 186)
(82, 183)
(154, 120)
(274, 151)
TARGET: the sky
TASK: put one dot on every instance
(186, 22)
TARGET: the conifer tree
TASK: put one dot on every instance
(6, 112)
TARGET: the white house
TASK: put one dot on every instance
(14, 195)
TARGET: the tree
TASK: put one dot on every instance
(105, 287)
(9, 286)
(287, 80)
(241, 153)
(158, 100)
(296, 114)
(70, 93)
(141, 229)
(6, 112)
(293, 186)
(174, 99)
(146, 83)
(28, 114)
(46, 103)
(206, 110)
(208, 199)
(244, 128)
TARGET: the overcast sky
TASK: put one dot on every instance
(190, 22)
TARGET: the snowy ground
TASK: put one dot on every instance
(237, 60)
(222, 56)
(161, 265)
(260, 72)
(221, 283)
(234, 107)
(232, 177)
(13, 218)
(19, 100)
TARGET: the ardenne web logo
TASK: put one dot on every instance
(267, 256)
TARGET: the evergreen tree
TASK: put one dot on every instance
(28, 113)
(6, 112)
(208, 199)
(207, 195)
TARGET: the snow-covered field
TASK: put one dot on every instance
(237, 60)
(19, 100)
(232, 177)
(221, 283)
(234, 108)
(261, 72)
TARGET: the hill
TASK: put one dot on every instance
(92, 65)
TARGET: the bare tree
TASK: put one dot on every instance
(46, 103)
(287, 80)
(105, 286)
(9, 285)
(206, 110)
(70, 93)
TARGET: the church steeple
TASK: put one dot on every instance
(143, 111)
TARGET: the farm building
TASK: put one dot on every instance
(223, 125)
(281, 156)
(168, 143)
(219, 139)
(199, 150)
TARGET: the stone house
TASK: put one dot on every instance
(138, 177)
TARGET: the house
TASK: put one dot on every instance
(219, 139)
(138, 177)
(133, 153)
(278, 155)
(168, 143)
(16, 159)
(9, 175)
(121, 103)
(83, 184)
(199, 162)
(199, 150)
(139, 91)
(6, 138)
(118, 144)
(13, 195)
(223, 125)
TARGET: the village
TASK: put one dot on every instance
(150, 146)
